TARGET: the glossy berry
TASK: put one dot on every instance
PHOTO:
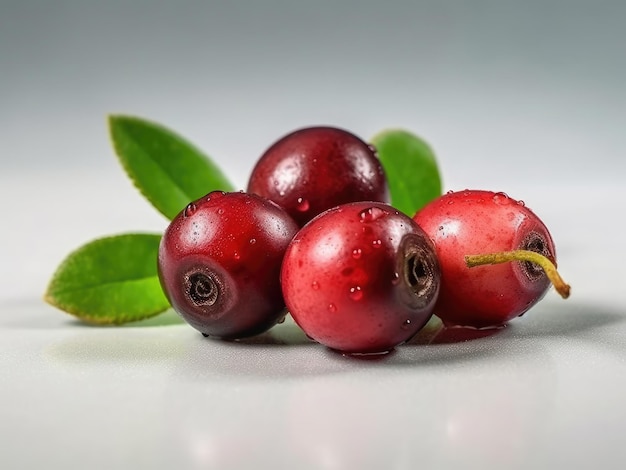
(219, 263)
(316, 168)
(479, 223)
(360, 278)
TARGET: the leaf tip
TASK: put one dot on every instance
(120, 122)
(113, 119)
(400, 132)
(386, 132)
(48, 298)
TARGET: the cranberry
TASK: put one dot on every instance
(316, 168)
(219, 263)
(361, 278)
(493, 227)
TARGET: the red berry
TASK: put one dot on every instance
(219, 263)
(482, 223)
(360, 278)
(316, 168)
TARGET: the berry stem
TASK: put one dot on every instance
(523, 255)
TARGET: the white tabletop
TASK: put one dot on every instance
(546, 392)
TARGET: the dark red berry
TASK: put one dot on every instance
(219, 263)
(361, 278)
(493, 226)
(316, 168)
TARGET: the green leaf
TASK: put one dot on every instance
(111, 280)
(169, 171)
(411, 168)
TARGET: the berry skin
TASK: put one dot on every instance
(219, 263)
(316, 168)
(361, 278)
(477, 223)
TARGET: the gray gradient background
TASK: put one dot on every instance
(503, 90)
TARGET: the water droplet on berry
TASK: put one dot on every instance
(501, 198)
(237, 256)
(190, 210)
(252, 241)
(406, 324)
(220, 211)
(303, 205)
(373, 149)
(356, 253)
(215, 195)
(315, 285)
(281, 193)
(450, 191)
(332, 308)
(377, 243)
(450, 203)
(521, 203)
(356, 293)
(371, 214)
(395, 279)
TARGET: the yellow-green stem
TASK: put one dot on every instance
(523, 255)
